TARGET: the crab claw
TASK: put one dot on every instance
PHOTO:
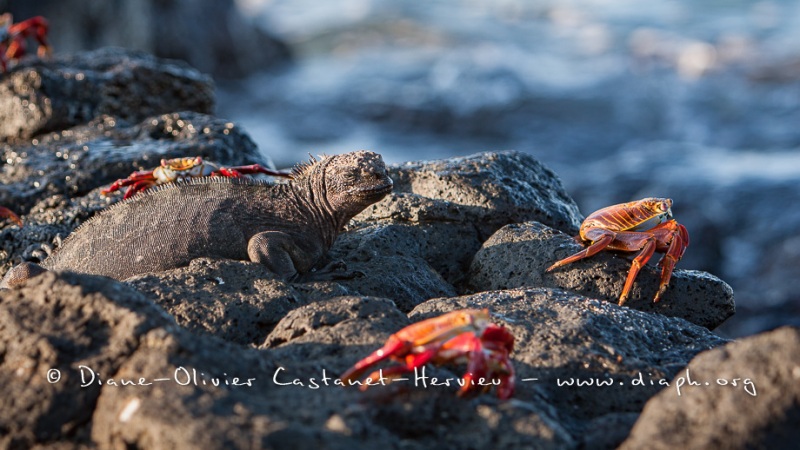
(10, 215)
(459, 336)
(489, 360)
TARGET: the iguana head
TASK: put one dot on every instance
(348, 183)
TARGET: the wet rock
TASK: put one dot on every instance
(455, 204)
(57, 93)
(562, 337)
(518, 255)
(54, 183)
(761, 410)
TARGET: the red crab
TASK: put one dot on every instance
(10, 215)
(645, 226)
(456, 337)
(13, 35)
(182, 168)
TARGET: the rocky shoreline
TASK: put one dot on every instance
(237, 349)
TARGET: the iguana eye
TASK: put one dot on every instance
(350, 176)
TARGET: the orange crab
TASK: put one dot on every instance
(10, 215)
(645, 226)
(456, 337)
(182, 168)
(13, 35)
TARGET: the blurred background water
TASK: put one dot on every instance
(694, 100)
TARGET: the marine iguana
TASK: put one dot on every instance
(287, 227)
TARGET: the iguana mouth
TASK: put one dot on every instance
(377, 190)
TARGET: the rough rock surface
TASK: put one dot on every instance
(41, 95)
(517, 255)
(56, 324)
(237, 301)
(761, 410)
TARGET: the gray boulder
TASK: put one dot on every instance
(743, 395)
(42, 95)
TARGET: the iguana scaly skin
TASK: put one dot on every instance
(287, 227)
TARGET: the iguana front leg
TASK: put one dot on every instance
(277, 251)
(282, 256)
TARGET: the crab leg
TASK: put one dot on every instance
(10, 215)
(596, 247)
(487, 358)
(488, 364)
(641, 259)
(137, 182)
(235, 172)
(680, 240)
(24, 29)
(137, 186)
(390, 373)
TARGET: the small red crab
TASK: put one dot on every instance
(13, 35)
(10, 215)
(182, 168)
(645, 226)
(456, 337)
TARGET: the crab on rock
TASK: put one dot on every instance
(13, 35)
(645, 226)
(456, 337)
(176, 169)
